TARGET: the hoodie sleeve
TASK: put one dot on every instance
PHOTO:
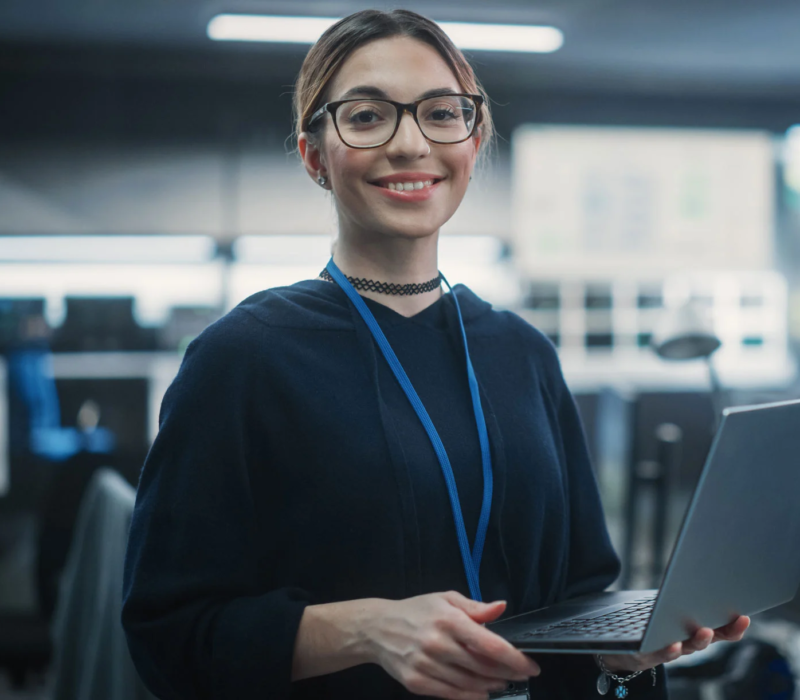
(199, 620)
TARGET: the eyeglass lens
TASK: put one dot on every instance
(446, 119)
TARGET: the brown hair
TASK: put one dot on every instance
(339, 41)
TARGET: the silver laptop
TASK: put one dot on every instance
(737, 553)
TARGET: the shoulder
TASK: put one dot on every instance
(219, 353)
(245, 335)
(532, 339)
(508, 335)
(538, 349)
(306, 305)
(506, 327)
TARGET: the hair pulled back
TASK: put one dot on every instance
(340, 40)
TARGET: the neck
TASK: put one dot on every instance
(393, 260)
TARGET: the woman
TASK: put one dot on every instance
(295, 535)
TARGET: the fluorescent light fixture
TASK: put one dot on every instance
(245, 280)
(283, 250)
(287, 30)
(155, 287)
(520, 38)
(791, 163)
(306, 30)
(470, 250)
(112, 248)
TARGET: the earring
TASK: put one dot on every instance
(322, 180)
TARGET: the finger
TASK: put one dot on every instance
(488, 613)
(663, 656)
(479, 612)
(492, 669)
(736, 627)
(699, 640)
(491, 646)
(741, 626)
(446, 659)
(476, 639)
(442, 646)
(733, 631)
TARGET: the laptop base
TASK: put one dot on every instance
(518, 630)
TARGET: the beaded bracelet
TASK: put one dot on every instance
(606, 676)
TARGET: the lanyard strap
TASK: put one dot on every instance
(472, 562)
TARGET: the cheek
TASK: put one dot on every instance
(458, 159)
(467, 157)
(348, 172)
(344, 163)
(460, 166)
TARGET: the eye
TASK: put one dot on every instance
(442, 114)
(363, 116)
(444, 110)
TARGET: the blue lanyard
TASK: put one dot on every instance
(472, 562)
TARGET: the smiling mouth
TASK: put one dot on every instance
(407, 186)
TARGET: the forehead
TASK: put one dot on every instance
(402, 67)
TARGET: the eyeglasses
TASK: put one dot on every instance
(368, 123)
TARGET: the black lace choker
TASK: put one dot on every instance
(388, 287)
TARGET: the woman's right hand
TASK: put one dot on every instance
(436, 644)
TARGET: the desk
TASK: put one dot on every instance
(637, 371)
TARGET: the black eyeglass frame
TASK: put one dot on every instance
(401, 108)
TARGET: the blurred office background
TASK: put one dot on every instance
(644, 195)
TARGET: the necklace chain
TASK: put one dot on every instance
(389, 287)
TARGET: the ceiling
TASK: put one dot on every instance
(700, 47)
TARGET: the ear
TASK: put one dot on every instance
(311, 155)
(477, 137)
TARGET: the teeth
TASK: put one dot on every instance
(406, 186)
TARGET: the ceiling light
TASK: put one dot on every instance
(504, 37)
(465, 35)
(99, 248)
(283, 250)
(288, 30)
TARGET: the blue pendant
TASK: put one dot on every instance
(621, 691)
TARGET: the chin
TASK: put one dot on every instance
(420, 224)
(410, 232)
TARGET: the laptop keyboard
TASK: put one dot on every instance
(625, 622)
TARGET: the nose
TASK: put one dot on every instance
(409, 141)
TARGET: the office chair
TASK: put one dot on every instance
(25, 644)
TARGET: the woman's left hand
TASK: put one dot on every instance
(628, 663)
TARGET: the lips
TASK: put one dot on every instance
(407, 182)
(422, 194)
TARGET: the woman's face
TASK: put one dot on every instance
(404, 69)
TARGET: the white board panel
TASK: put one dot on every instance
(602, 200)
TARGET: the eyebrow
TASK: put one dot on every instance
(372, 91)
